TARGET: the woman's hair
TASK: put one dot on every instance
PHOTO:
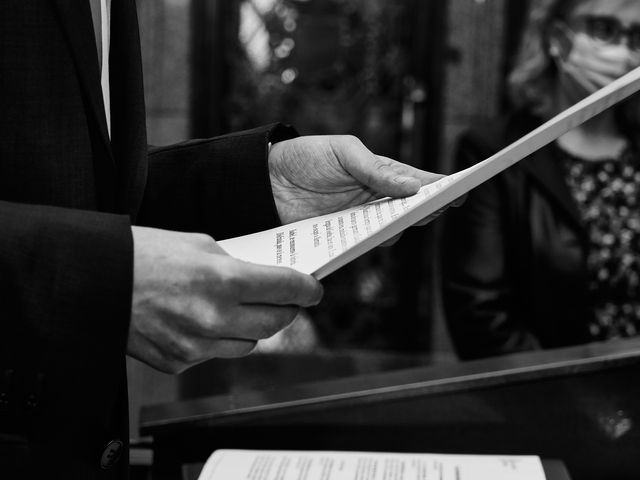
(532, 81)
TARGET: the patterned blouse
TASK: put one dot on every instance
(607, 193)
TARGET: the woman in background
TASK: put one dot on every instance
(547, 254)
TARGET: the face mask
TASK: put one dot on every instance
(592, 64)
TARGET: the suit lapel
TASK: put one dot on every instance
(75, 18)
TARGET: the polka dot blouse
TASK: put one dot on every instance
(607, 193)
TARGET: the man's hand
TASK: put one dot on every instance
(312, 176)
(192, 302)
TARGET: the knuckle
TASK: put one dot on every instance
(222, 275)
(352, 139)
(209, 319)
(201, 241)
(346, 143)
(380, 164)
(170, 367)
(231, 279)
(205, 271)
(185, 352)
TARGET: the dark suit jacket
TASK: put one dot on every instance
(68, 197)
(514, 263)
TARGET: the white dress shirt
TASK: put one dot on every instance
(101, 15)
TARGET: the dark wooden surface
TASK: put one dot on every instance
(580, 405)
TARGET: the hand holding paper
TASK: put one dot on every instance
(192, 302)
(316, 175)
(321, 245)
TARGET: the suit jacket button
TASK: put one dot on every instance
(111, 454)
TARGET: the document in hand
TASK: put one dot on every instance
(321, 245)
(290, 465)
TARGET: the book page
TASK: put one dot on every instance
(321, 245)
(291, 465)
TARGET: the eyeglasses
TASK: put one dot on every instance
(609, 30)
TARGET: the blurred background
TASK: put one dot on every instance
(405, 76)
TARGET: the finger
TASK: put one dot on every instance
(256, 322)
(431, 217)
(403, 169)
(376, 172)
(427, 220)
(458, 202)
(268, 285)
(177, 352)
(144, 350)
(232, 348)
(395, 179)
(391, 241)
(187, 351)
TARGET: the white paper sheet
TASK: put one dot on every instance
(290, 465)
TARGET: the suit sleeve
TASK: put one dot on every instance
(478, 290)
(219, 186)
(65, 300)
